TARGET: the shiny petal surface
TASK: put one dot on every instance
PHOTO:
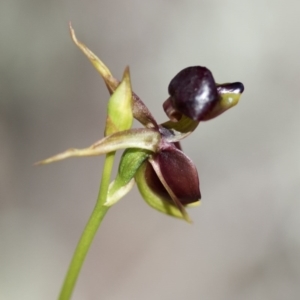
(178, 171)
(193, 92)
(229, 96)
(234, 87)
(155, 200)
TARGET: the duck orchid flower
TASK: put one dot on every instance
(166, 178)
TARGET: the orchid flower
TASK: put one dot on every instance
(167, 179)
(153, 159)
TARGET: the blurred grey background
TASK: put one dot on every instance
(245, 240)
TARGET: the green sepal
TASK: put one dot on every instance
(130, 162)
(155, 201)
(141, 138)
(119, 108)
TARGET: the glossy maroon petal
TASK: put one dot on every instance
(178, 172)
(193, 92)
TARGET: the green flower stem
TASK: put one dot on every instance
(89, 231)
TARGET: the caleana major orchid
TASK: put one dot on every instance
(153, 159)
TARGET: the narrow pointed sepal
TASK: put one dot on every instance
(140, 110)
(108, 78)
(141, 138)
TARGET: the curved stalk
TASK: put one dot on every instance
(89, 232)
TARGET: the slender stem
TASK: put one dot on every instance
(89, 232)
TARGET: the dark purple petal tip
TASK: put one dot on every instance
(194, 92)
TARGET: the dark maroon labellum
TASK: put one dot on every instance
(179, 173)
(194, 92)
